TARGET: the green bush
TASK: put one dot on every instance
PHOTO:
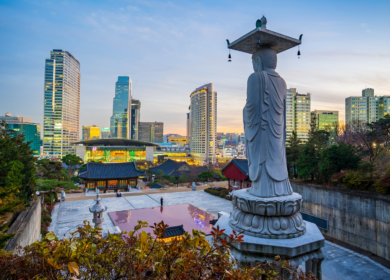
(47, 219)
(75, 179)
(382, 185)
(222, 193)
(358, 180)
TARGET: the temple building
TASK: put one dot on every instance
(114, 176)
(236, 171)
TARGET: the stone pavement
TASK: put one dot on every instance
(340, 263)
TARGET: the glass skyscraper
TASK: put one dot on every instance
(135, 118)
(151, 132)
(121, 115)
(61, 104)
(22, 125)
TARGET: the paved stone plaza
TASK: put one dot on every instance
(339, 263)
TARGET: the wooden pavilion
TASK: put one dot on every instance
(237, 171)
(111, 176)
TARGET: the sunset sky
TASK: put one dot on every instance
(170, 48)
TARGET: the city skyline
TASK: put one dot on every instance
(157, 45)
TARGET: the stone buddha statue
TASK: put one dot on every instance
(269, 208)
(265, 127)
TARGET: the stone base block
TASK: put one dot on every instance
(311, 241)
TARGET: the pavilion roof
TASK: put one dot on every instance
(174, 231)
(167, 167)
(113, 171)
(241, 164)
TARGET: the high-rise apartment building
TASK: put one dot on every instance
(91, 132)
(30, 130)
(120, 126)
(298, 114)
(203, 124)
(61, 104)
(326, 120)
(188, 125)
(151, 132)
(105, 133)
(366, 108)
(135, 118)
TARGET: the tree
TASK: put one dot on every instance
(17, 177)
(71, 160)
(205, 176)
(293, 150)
(137, 255)
(47, 169)
(336, 158)
(310, 159)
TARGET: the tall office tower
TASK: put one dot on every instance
(326, 120)
(121, 109)
(366, 108)
(30, 130)
(151, 132)
(91, 132)
(298, 114)
(188, 125)
(135, 118)
(105, 133)
(203, 123)
(61, 104)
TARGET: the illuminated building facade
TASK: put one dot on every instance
(115, 150)
(326, 120)
(61, 104)
(298, 114)
(31, 131)
(151, 132)
(121, 115)
(91, 132)
(203, 123)
(366, 108)
(105, 133)
(179, 140)
(135, 118)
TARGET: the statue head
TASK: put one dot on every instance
(265, 58)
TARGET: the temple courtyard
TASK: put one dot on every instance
(339, 263)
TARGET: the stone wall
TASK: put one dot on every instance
(361, 219)
(27, 227)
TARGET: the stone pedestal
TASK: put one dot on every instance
(303, 249)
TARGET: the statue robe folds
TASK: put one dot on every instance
(265, 134)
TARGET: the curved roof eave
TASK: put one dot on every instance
(115, 142)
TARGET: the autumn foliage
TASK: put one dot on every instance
(135, 255)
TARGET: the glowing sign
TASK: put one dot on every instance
(94, 148)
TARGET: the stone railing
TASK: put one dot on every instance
(361, 219)
(27, 227)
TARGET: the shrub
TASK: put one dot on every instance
(47, 219)
(136, 255)
(382, 185)
(47, 223)
(357, 180)
(75, 179)
(222, 193)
